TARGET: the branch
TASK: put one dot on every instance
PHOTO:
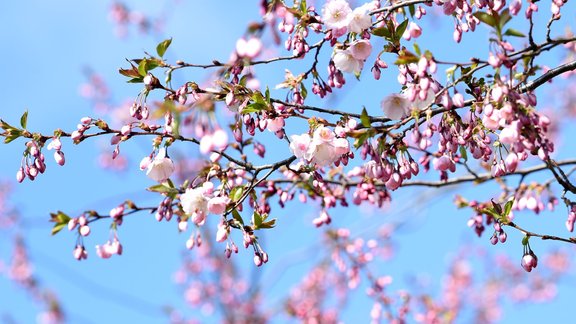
(542, 236)
(570, 66)
(398, 6)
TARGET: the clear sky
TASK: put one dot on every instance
(45, 48)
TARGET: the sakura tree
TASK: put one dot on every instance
(238, 146)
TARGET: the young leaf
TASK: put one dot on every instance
(142, 69)
(382, 32)
(24, 119)
(508, 207)
(485, 18)
(256, 220)
(163, 46)
(463, 153)
(237, 216)
(513, 32)
(400, 30)
(161, 188)
(269, 224)
(57, 228)
(364, 118)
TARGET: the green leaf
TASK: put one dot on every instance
(412, 10)
(504, 18)
(12, 135)
(417, 49)
(491, 212)
(237, 216)
(303, 91)
(57, 228)
(254, 107)
(236, 193)
(361, 139)
(485, 18)
(269, 224)
(136, 80)
(257, 97)
(131, 73)
(24, 119)
(400, 30)
(147, 65)
(513, 32)
(405, 57)
(463, 153)
(267, 94)
(142, 68)
(364, 118)
(525, 240)
(162, 188)
(256, 220)
(163, 46)
(508, 207)
(382, 32)
(303, 7)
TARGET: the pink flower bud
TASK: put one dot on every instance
(20, 175)
(80, 253)
(84, 230)
(82, 220)
(493, 240)
(222, 233)
(257, 260)
(72, 223)
(59, 157)
(458, 100)
(76, 135)
(511, 162)
(190, 243)
(55, 144)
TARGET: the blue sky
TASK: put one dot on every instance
(45, 47)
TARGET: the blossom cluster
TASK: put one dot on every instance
(322, 149)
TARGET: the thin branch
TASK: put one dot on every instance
(549, 75)
(542, 236)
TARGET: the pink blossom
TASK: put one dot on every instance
(359, 19)
(220, 139)
(509, 134)
(345, 61)
(206, 144)
(275, 124)
(145, 162)
(217, 205)
(301, 146)
(361, 49)
(395, 106)
(161, 168)
(335, 14)
(195, 203)
(249, 48)
(55, 144)
(444, 163)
